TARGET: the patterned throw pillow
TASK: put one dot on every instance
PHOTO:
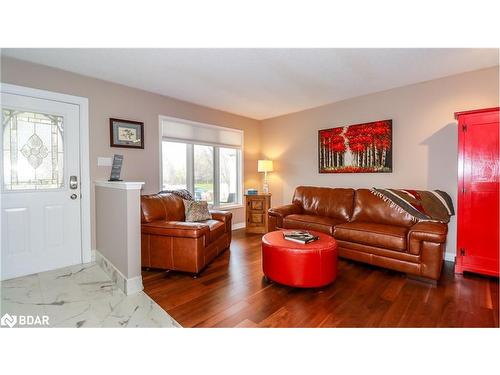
(196, 210)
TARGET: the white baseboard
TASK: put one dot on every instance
(133, 285)
(128, 286)
(238, 226)
(449, 257)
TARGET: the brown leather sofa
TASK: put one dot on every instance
(366, 228)
(169, 242)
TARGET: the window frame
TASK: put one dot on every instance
(216, 170)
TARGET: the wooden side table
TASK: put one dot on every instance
(256, 212)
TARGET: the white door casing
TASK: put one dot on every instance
(45, 226)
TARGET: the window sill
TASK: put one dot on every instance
(228, 207)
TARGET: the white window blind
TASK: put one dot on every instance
(204, 159)
(200, 133)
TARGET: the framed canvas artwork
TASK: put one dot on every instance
(361, 148)
(125, 133)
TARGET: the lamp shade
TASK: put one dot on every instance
(265, 166)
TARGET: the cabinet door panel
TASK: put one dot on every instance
(257, 205)
(479, 224)
(256, 213)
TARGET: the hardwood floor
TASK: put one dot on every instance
(231, 292)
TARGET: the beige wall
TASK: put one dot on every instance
(112, 100)
(424, 137)
(424, 131)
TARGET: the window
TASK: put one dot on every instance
(174, 165)
(204, 159)
(32, 150)
(228, 175)
(204, 173)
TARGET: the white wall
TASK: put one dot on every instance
(424, 137)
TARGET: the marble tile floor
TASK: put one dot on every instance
(80, 296)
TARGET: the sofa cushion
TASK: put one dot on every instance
(311, 222)
(175, 229)
(174, 207)
(152, 208)
(334, 203)
(369, 208)
(379, 235)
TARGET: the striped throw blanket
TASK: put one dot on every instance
(423, 205)
(183, 193)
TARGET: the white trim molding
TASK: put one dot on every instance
(449, 257)
(238, 225)
(128, 286)
(83, 104)
(122, 185)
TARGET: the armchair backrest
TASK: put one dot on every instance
(163, 207)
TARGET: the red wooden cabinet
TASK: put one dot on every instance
(478, 188)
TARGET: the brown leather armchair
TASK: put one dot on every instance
(366, 228)
(169, 242)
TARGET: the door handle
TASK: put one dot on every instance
(73, 182)
(73, 196)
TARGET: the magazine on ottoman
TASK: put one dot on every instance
(299, 236)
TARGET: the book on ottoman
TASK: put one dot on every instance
(299, 236)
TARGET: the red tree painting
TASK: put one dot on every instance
(356, 148)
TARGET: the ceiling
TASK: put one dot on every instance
(262, 83)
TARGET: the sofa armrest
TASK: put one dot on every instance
(280, 212)
(288, 209)
(223, 216)
(176, 229)
(426, 231)
(429, 231)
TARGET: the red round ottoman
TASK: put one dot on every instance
(294, 264)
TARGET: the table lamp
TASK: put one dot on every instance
(265, 166)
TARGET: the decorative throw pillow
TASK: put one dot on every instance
(196, 210)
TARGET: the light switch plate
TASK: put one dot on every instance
(104, 162)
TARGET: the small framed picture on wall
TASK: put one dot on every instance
(125, 133)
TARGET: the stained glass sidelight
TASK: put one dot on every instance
(32, 150)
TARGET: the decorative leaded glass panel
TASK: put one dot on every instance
(32, 150)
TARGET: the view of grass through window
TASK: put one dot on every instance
(204, 173)
(192, 167)
(174, 165)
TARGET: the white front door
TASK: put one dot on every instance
(40, 204)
